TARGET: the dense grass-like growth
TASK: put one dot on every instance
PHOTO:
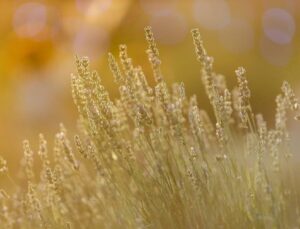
(154, 159)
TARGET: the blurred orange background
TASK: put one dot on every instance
(38, 41)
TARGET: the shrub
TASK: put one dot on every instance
(153, 159)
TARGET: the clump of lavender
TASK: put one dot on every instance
(154, 159)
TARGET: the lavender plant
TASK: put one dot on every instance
(154, 159)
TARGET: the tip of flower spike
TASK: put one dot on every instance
(148, 28)
(195, 30)
(85, 61)
(240, 71)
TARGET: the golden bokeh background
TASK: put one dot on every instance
(38, 41)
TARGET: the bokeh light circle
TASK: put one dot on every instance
(237, 37)
(279, 25)
(91, 41)
(93, 7)
(169, 27)
(29, 19)
(157, 6)
(275, 54)
(212, 14)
